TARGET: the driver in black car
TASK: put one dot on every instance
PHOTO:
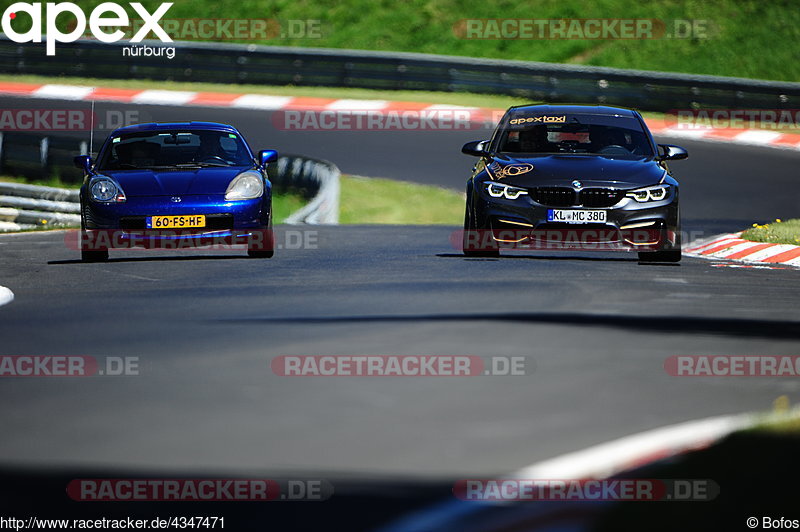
(604, 137)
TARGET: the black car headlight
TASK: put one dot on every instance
(501, 190)
(245, 186)
(105, 190)
(644, 195)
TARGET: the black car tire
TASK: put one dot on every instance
(94, 255)
(91, 255)
(672, 255)
(253, 254)
(468, 247)
(267, 249)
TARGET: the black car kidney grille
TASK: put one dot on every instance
(553, 196)
(600, 197)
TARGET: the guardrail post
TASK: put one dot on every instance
(43, 147)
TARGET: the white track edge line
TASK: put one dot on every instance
(610, 458)
(6, 296)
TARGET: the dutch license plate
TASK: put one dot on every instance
(576, 216)
(176, 222)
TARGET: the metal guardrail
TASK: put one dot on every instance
(322, 177)
(30, 207)
(40, 156)
(273, 65)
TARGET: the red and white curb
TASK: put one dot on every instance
(623, 454)
(751, 137)
(637, 450)
(265, 102)
(6, 296)
(732, 247)
(260, 102)
(607, 460)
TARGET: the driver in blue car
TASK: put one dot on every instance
(209, 148)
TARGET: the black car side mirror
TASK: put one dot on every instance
(672, 153)
(83, 162)
(476, 148)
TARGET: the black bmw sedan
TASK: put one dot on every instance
(573, 177)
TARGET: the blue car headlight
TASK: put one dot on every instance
(498, 190)
(105, 190)
(245, 186)
(644, 195)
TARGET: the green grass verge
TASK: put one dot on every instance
(367, 200)
(779, 232)
(748, 38)
(782, 419)
(785, 426)
(284, 205)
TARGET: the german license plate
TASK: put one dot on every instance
(576, 216)
(176, 222)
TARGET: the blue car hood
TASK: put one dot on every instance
(591, 170)
(200, 181)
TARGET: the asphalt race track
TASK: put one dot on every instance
(205, 325)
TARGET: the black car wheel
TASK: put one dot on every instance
(671, 255)
(94, 255)
(260, 254)
(477, 241)
(90, 255)
(266, 248)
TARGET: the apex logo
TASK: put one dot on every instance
(98, 20)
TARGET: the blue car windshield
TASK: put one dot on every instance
(600, 135)
(178, 148)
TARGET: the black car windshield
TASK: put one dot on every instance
(582, 134)
(191, 148)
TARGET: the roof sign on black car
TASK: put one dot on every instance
(544, 119)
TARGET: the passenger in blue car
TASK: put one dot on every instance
(140, 154)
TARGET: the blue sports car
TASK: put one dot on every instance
(176, 185)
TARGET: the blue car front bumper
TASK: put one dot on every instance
(126, 224)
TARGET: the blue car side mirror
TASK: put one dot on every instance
(267, 156)
(83, 162)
